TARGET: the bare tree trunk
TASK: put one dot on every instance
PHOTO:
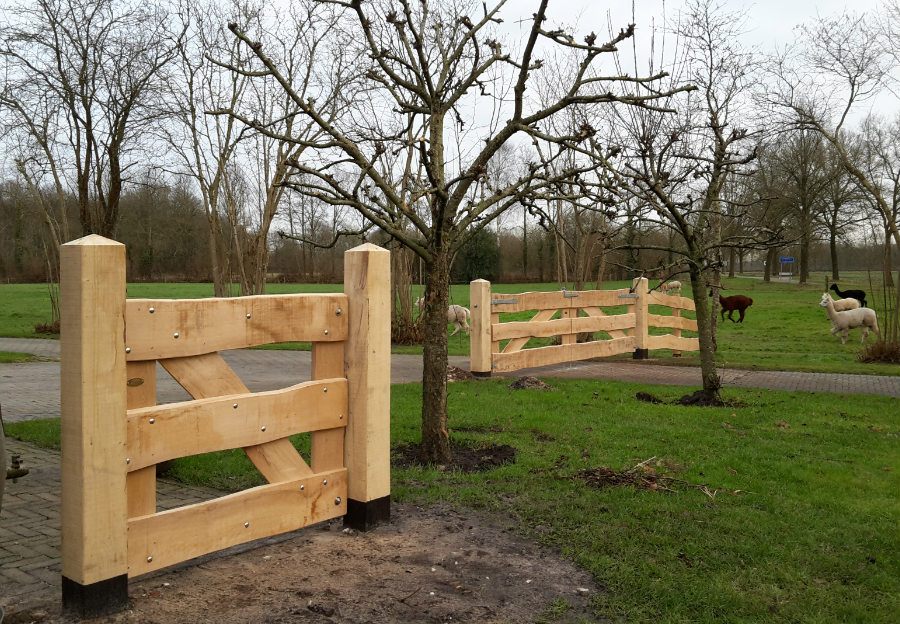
(435, 435)
(771, 257)
(741, 261)
(707, 348)
(832, 248)
(804, 257)
(732, 256)
(888, 276)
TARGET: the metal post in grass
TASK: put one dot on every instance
(93, 404)
(480, 338)
(640, 286)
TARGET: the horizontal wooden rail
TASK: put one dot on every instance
(674, 322)
(676, 343)
(162, 539)
(544, 329)
(164, 432)
(557, 300)
(169, 328)
(544, 356)
(671, 301)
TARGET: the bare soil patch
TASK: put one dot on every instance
(466, 457)
(432, 565)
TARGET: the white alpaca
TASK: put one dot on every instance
(842, 305)
(456, 314)
(845, 321)
(670, 287)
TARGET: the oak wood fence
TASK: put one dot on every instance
(114, 434)
(502, 346)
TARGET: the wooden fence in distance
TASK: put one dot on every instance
(114, 434)
(568, 314)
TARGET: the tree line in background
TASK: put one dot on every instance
(235, 142)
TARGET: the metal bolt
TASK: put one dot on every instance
(326, 332)
(340, 416)
(263, 428)
(152, 420)
(324, 481)
(325, 389)
(302, 487)
(338, 312)
(127, 460)
(246, 525)
(475, 305)
(248, 315)
(234, 405)
(176, 335)
(152, 310)
(127, 349)
(337, 501)
(150, 558)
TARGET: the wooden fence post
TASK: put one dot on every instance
(480, 340)
(641, 310)
(93, 403)
(367, 363)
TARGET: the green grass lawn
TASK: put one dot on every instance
(11, 357)
(785, 329)
(803, 525)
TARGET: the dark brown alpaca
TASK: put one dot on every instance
(732, 303)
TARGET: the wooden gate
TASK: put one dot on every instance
(114, 434)
(568, 314)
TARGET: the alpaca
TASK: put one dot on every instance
(845, 321)
(456, 314)
(670, 287)
(842, 305)
(732, 303)
(859, 295)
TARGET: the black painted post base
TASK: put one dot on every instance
(95, 599)
(366, 516)
(641, 354)
(482, 373)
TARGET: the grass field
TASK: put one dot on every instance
(799, 525)
(785, 329)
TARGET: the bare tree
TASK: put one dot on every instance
(879, 158)
(677, 166)
(440, 70)
(846, 61)
(82, 79)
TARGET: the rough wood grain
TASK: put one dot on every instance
(545, 356)
(184, 327)
(141, 392)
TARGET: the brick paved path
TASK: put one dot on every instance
(29, 527)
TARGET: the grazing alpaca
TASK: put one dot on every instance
(845, 321)
(732, 303)
(670, 287)
(456, 314)
(842, 305)
(859, 295)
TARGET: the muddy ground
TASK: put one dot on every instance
(429, 565)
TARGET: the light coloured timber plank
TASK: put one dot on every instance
(676, 343)
(183, 327)
(545, 356)
(480, 337)
(327, 447)
(94, 509)
(208, 375)
(545, 329)
(163, 539)
(141, 392)
(672, 301)
(530, 301)
(596, 312)
(516, 344)
(165, 432)
(600, 298)
(367, 450)
(675, 322)
(569, 315)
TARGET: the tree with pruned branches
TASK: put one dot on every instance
(437, 81)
